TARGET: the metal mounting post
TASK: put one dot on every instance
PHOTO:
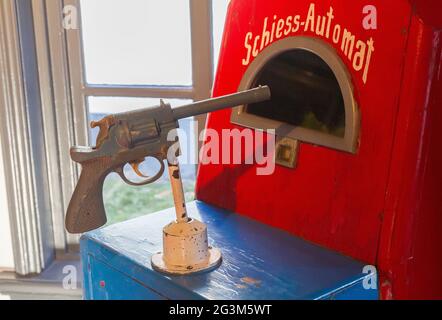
(185, 242)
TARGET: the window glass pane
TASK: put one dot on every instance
(122, 201)
(305, 93)
(136, 42)
(219, 8)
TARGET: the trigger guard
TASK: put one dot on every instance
(160, 172)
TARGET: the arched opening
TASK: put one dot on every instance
(312, 94)
(305, 93)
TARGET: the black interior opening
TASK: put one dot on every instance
(305, 93)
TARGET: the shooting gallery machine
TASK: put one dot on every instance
(353, 207)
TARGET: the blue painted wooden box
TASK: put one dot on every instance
(259, 262)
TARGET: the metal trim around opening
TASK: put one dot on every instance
(349, 142)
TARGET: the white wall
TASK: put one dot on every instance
(6, 257)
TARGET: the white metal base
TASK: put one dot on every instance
(186, 249)
(214, 261)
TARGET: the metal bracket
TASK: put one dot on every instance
(286, 154)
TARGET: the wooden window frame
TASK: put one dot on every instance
(36, 136)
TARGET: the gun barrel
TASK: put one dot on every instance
(255, 95)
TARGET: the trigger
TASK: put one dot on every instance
(136, 167)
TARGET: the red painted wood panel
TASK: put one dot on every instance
(409, 254)
(429, 11)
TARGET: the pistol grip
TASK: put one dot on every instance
(86, 209)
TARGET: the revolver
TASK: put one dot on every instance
(128, 138)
